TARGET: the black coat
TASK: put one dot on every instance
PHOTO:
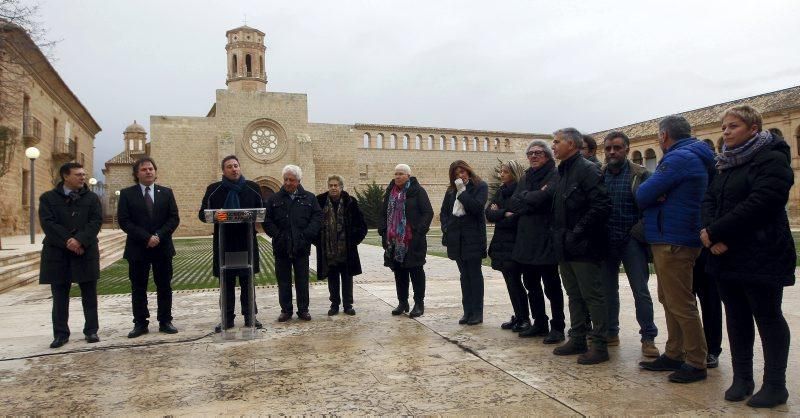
(62, 219)
(580, 210)
(140, 226)
(533, 206)
(355, 229)
(465, 236)
(293, 224)
(249, 198)
(744, 207)
(419, 214)
(505, 228)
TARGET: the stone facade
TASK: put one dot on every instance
(43, 112)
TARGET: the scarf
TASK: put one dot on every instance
(398, 233)
(507, 190)
(333, 233)
(535, 176)
(742, 154)
(458, 207)
(233, 188)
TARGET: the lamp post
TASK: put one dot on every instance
(92, 182)
(32, 153)
(116, 202)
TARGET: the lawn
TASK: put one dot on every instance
(191, 269)
(435, 246)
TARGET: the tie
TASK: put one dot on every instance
(148, 200)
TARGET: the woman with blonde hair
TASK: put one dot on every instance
(752, 250)
(502, 245)
(464, 229)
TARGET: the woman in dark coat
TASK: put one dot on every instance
(464, 228)
(752, 251)
(343, 228)
(533, 251)
(405, 218)
(502, 245)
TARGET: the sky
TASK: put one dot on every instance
(523, 66)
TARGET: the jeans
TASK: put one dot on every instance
(346, 284)
(536, 275)
(283, 271)
(471, 278)
(633, 255)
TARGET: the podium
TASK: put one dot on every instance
(236, 260)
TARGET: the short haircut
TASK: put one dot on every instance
(748, 114)
(337, 178)
(403, 168)
(590, 142)
(540, 143)
(676, 126)
(67, 168)
(139, 163)
(571, 135)
(618, 134)
(293, 170)
(226, 159)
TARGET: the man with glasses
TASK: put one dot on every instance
(626, 243)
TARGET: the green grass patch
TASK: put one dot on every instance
(191, 269)
(435, 246)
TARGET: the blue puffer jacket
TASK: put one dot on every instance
(681, 178)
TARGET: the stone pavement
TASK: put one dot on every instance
(369, 364)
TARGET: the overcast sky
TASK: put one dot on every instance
(530, 66)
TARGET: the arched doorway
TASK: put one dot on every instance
(267, 186)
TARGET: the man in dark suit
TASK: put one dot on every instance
(148, 214)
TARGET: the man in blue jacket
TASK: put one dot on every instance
(671, 200)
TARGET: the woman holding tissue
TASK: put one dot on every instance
(464, 235)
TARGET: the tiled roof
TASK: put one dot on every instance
(765, 103)
(121, 158)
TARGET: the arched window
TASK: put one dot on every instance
(475, 143)
(496, 146)
(234, 66)
(418, 142)
(442, 140)
(262, 69)
(392, 141)
(485, 144)
(249, 65)
(453, 144)
(650, 160)
(636, 157)
(430, 142)
(464, 143)
(379, 141)
(405, 141)
(366, 140)
(507, 145)
(797, 140)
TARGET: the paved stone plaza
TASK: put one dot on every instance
(369, 364)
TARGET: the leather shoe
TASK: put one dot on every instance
(58, 342)
(712, 361)
(167, 328)
(571, 347)
(521, 325)
(475, 320)
(535, 331)
(92, 338)
(305, 316)
(333, 310)
(419, 309)
(138, 331)
(463, 320)
(350, 311)
(400, 309)
(510, 324)
(218, 328)
(249, 324)
(284, 316)
(554, 337)
(593, 356)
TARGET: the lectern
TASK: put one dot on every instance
(236, 260)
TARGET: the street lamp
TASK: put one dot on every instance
(116, 202)
(92, 182)
(32, 153)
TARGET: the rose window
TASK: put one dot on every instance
(263, 142)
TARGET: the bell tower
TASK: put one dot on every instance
(246, 70)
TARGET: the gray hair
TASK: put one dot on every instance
(293, 170)
(544, 145)
(337, 178)
(676, 126)
(403, 168)
(571, 135)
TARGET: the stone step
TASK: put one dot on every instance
(15, 257)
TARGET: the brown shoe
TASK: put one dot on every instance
(571, 347)
(649, 349)
(613, 341)
(593, 356)
(284, 316)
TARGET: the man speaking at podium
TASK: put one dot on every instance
(234, 192)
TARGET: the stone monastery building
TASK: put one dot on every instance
(268, 130)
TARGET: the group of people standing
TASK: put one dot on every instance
(711, 224)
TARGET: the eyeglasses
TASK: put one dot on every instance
(534, 153)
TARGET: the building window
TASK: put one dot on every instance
(392, 141)
(650, 160)
(234, 66)
(636, 157)
(405, 141)
(248, 65)
(365, 144)
(379, 141)
(264, 140)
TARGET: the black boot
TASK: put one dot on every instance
(419, 309)
(769, 396)
(537, 330)
(740, 389)
(400, 309)
(510, 324)
(463, 320)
